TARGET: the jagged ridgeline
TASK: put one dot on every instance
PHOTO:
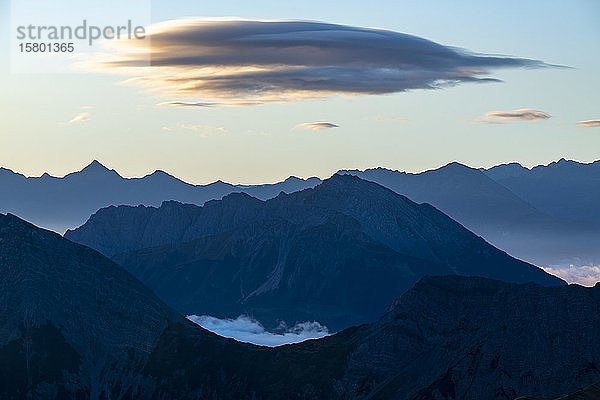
(338, 253)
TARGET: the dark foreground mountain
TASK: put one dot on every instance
(547, 215)
(446, 338)
(591, 392)
(74, 325)
(338, 253)
(62, 203)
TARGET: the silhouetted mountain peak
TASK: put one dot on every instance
(352, 185)
(159, 173)
(238, 197)
(345, 180)
(95, 168)
(565, 163)
(456, 168)
(293, 178)
(95, 165)
(219, 182)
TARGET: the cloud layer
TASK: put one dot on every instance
(197, 61)
(522, 114)
(316, 126)
(248, 330)
(590, 123)
(586, 275)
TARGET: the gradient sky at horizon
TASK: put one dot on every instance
(410, 131)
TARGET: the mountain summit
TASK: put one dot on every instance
(546, 215)
(338, 253)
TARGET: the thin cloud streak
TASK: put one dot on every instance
(522, 114)
(79, 118)
(241, 62)
(316, 126)
(590, 123)
(185, 104)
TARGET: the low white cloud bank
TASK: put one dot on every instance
(249, 330)
(586, 275)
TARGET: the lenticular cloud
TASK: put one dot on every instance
(241, 62)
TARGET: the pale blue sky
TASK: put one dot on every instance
(410, 131)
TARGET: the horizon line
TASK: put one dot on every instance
(96, 163)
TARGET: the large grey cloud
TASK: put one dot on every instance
(193, 61)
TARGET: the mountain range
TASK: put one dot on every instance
(547, 215)
(338, 253)
(75, 325)
(565, 189)
(67, 202)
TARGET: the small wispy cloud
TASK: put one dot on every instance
(185, 104)
(316, 126)
(203, 131)
(590, 123)
(248, 330)
(522, 114)
(586, 275)
(79, 118)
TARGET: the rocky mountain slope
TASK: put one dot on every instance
(545, 215)
(74, 325)
(338, 253)
(446, 338)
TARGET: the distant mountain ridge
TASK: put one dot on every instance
(62, 203)
(75, 325)
(547, 215)
(337, 253)
(559, 188)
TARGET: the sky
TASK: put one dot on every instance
(373, 111)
